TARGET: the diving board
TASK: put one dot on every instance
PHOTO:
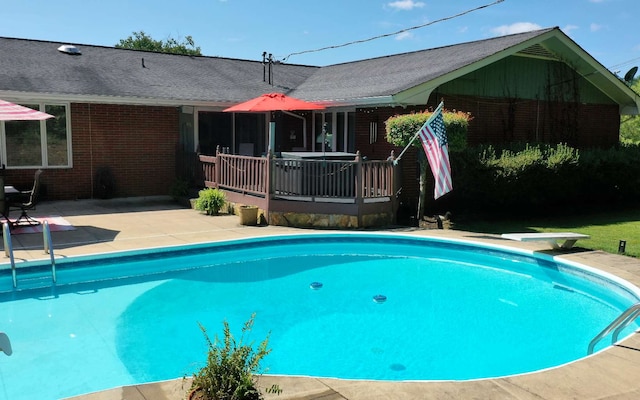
(552, 238)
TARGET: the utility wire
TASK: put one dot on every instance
(394, 33)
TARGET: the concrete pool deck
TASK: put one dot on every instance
(125, 224)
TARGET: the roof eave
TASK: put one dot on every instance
(587, 66)
(360, 102)
(597, 74)
(419, 94)
(126, 100)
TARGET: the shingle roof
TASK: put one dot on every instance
(386, 76)
(38, 67)
(33, 67)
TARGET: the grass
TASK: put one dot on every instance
(607, 229)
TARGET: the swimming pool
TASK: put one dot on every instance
(453, 310)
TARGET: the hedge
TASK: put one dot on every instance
(538, 178)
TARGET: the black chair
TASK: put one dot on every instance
(24, 201)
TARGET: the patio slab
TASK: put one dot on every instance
(125, 224)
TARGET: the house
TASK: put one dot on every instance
(123, 115)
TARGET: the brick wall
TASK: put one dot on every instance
(137, 143)
(497, 121)
(502, 121)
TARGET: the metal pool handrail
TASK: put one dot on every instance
(8, 251)
(48, 248)
(618, 324)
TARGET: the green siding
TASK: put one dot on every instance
(526, 78)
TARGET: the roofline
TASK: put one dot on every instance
(361, 101)
(25, 97)
(55, 42)
(590, 70)
(416, 94)
(141, 101)
(601, 70)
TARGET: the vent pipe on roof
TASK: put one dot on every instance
(267, 61)
(69, 49)
(264, 66)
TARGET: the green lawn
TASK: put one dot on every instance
(607, 229)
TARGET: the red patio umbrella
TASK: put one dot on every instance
(15, 112)
(274, 102)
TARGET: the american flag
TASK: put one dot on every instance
(434, 142)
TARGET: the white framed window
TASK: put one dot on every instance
(30, 144)
(334, 131)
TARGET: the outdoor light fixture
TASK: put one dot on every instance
(373, 132)
(622, 246)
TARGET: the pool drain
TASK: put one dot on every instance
(315, 285)
(379, 298)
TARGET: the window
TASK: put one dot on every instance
(335, 131)
(37, 143)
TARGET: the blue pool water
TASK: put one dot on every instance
(453, 311)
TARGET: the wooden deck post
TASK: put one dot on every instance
(268, 176)
(395, 180)
(217, 168)
(359, 184)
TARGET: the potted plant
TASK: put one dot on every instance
(229, 373)
(210, 201)
(248, 215)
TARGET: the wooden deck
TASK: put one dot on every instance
(361, 191)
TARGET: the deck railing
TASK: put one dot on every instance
(242, 173)
(314, 178)
(285, 185)
(295, 179)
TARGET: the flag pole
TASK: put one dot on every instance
(395, 162)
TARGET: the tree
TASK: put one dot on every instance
(142, 41)
(630, 125)
(401, 129)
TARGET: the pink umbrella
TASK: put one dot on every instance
(15, 112)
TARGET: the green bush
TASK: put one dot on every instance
(210, 201)
(402, 128)
(523, 178)
(530, 179)
(229, 373)
(544, 179)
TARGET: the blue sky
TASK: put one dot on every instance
(245, 28)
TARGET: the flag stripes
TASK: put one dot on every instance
(433, 137)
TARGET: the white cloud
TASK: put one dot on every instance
(404, 35)
(595, 27)
(570, 28)
(405, 4)
(463, 29)
(517, 27)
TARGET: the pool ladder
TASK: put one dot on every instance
(48, 248)
(617, 326)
